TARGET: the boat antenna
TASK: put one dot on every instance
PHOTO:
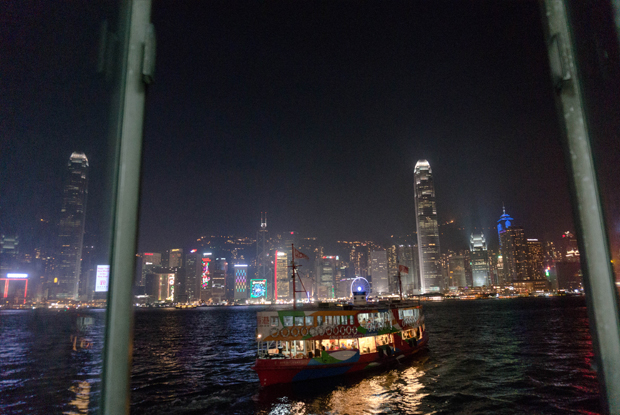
(294, 268)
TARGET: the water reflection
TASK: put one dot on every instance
(50, 360)
(398, 388)
(82, 398)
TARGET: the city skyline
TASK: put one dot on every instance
(321, 136)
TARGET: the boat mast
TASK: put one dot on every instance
(293, 266)
(400, 284)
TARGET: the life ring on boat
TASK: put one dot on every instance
(303, 331)
(328, 331)
(343, 330)
(321, 330)
(349, 329)
(284, 332)
(312, 331)
(294, 332)
(273, 332)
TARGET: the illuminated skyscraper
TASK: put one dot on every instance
(379, 272)
(514, 253)
(327, 267)
(71, 229)
(241, 282)
(426, 223)
(281, 277)
(262, 258)
(535, 259)
(479, 260)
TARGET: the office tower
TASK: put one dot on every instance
(456, 266)
(218, 271)
(9, 253)
(479, 260)
(514, 254)
(504, 222)
(71, 229)
(173, 258)
(148, 262)
(426, 223)
(205, 277)
(241, 282)
(281, 275)
(569, 248)
(192, 270)
(535, 258)
(406, 257)
(504, 268)
(552, 255)
(159, 285)
(326, 274)
(493, 268)
(262, 258)
(88, 270)
(379, 272)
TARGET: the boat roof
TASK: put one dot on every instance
(394, 304)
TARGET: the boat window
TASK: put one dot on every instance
(362, 318)
(337, 320)
(319, 320)
(329, 319)
(288, 321)
(383, 339)
(367, 345)
(416, 313)
(350, 319)
(297, 349)
(299, 321)
(400, 314)
(347, 344)
(309, 321)
(274, 321)
(329, 344)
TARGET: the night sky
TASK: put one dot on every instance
(315, 112)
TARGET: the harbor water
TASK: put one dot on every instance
(510, 356)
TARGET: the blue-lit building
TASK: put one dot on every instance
(504, 222)
(513, 249)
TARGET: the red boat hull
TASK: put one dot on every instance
(274, 371)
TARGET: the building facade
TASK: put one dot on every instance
(71, 229)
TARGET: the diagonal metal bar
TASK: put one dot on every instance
(598, 275)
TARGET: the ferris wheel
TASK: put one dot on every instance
(360, 284)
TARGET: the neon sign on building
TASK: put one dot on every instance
(241, 282)
(258, 288)
(205, 272)
(171, 286)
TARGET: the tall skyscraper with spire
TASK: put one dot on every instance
(426, 223)
(262, 257)
(71, 229)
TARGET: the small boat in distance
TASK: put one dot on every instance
(316, 341)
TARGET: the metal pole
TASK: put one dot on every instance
(293, 266)
(595, 256)
(132, 32)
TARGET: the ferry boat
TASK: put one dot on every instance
(312, 342)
